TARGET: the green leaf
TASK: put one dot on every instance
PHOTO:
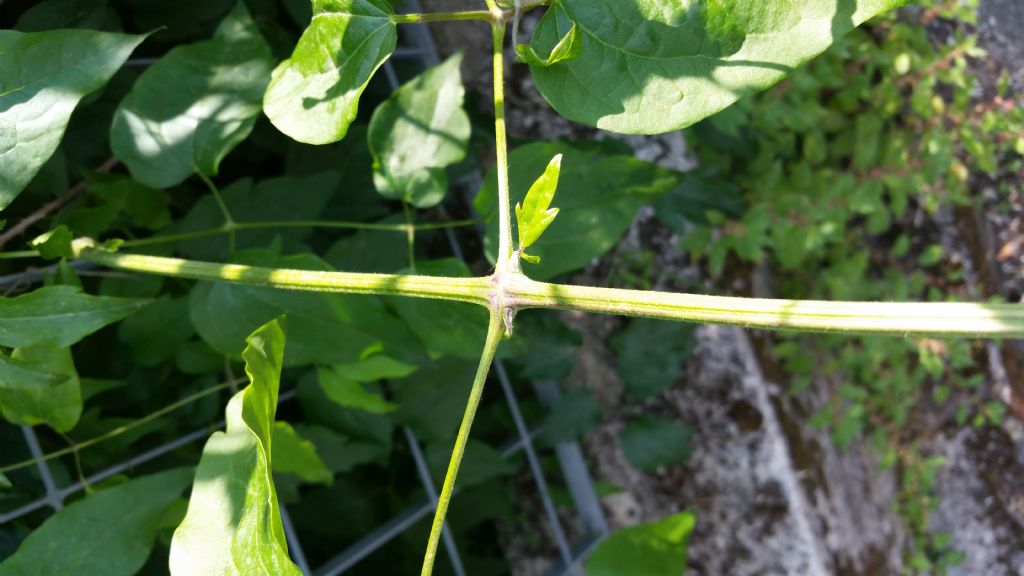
(233, 524)
(649, 443)
(647, 67)
(533, 216)
(568, 47)
(550, 346)
(157, 332)
(418, 132)
(444, 327)
(574, 415)
(653, 549)
(59, 316)
(326, 328)
(651, 354)
(39, 385)
(5, 482)
(296, 455)
(698, 196)
(109, 197)
(373, 429)
(314, 95)
(431, 401)
(601, 188)
(107, 533)
(339, 453)
(54, 244)
(54, 14)
(351, 394)
(374, 368)
(43, 76)
(190, 109)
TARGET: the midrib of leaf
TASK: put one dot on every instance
(67, 315)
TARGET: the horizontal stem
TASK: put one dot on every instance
(919, 319)
(959, 319)
(472, 290)
(19, 254)
(442, 17)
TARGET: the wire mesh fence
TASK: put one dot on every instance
(417, 51)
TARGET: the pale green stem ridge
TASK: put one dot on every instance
(471, 290)
(918, 319)
(495, 330)
(501, 144)
(483, 15)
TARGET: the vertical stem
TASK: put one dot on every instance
(229, 222)
(410, 234)
(501, 143)
(494, 332)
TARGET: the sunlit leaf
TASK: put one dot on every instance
(351, 393)
(534, 216)
(646, 67)
(43, 76)
(107, 533)
(296, 455)
(233, 524)
(653, 549)
(314, 96)
(417, 133)
(54, 244)
(187, 111)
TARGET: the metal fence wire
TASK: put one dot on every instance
(417, 49)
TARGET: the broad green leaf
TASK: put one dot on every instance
(43, 76)
(602, 186)
(59, 316)
(574, 415)
(39, 385)
(54, 244)
(110, 197)
(480, 463)
(350, 393)
(190, 109)
(652, 66)
(296, 455)
(233, 524)
(375, 251)
(417, 133)
(326, 328)
(314, 95)
(108, 533)
(534, 216)
(649, 443)
(651, 354)
(653, 549)
(157, 332)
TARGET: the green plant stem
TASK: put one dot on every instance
(516, 291)
(75, 447)
(501, 144)
(404, 228)
(15, 254)
(484, 15)
(229, 222)
(495, 329)
(410, 236)
(917, 319)
(471, 290)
